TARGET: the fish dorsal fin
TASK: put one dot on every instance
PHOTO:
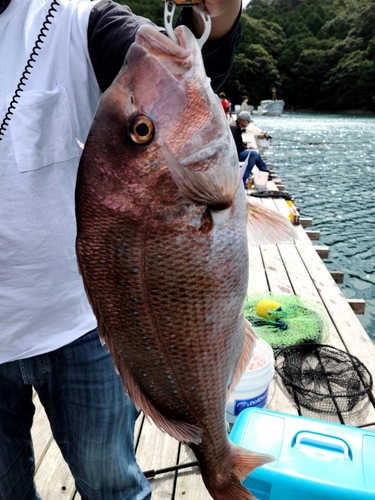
(250, 338)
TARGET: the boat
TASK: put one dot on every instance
(271, 107)
(259, 111)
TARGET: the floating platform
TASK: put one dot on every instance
(294, 268)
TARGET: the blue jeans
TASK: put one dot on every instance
(254, 159)
(91, 418)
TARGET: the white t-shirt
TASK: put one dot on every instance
(43, 305)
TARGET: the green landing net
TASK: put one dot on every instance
(284, 320)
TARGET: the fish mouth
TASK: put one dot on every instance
(178, 57)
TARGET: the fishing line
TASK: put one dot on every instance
(29, 65)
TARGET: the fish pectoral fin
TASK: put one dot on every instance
(204, 187)
(250, 338)
(268, 226)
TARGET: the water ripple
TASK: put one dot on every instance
(328, 164)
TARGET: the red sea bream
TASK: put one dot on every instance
(162, 220)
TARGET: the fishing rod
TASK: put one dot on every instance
(173, 468)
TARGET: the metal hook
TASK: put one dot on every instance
(169, 10)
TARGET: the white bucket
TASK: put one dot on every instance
(260, 180)
(252, 389)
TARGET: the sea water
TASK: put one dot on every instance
(327, 163)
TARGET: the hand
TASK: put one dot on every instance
(223, 13)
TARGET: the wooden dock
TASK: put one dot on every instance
(294, 268)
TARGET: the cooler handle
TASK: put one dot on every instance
(322, 440)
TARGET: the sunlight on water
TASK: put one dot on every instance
(328, 165)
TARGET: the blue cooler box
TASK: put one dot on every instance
(315, 460)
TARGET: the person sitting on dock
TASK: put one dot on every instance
(245, 150)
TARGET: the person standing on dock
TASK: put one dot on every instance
(57, 58)
(224, 103)
(243, 150)
(244, 104)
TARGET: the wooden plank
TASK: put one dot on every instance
(157, 450)
(257, 274)
(279, 399)
(53, 478)
(322, 251)
(52, 475)
(358, 305)
(271, 186)
(269, 203)
(281, 206)
(189, 485)
(304, 287)
(40, 432)
(306, 221)
(338, 276)
(313, 235)
(276, 273)
(352, 334)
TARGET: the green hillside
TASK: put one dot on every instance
(319, 54)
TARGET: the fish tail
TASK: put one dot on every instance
(243, 462)
(268, 226)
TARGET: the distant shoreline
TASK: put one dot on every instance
(331, 112)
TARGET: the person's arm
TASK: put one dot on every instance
(237, 136)
(111, 31)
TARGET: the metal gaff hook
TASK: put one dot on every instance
(169, 10)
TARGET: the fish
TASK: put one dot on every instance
(162, 246)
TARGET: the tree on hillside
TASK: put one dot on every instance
(254, 75)
(351, 83)
(317, 53)
(308, 76)
(327, 58)
(152, 9)
(261, 32)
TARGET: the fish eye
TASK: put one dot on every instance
(141, 129)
